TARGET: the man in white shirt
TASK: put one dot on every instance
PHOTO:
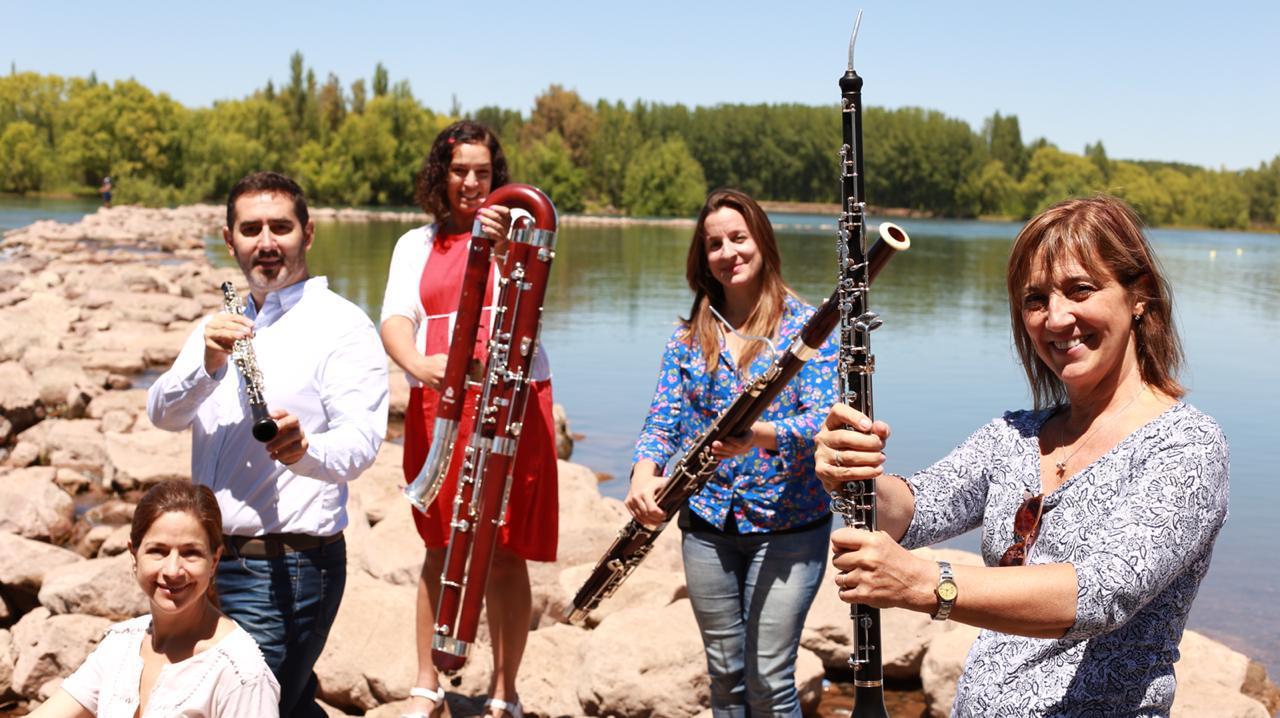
(325, 379)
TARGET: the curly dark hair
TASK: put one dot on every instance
(430, 187)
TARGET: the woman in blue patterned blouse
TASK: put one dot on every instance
(1098, 509)
(755, 537)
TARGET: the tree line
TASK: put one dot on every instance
(361, 144)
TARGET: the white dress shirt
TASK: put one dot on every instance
(322, 361)
(403, 297)
(227, 680)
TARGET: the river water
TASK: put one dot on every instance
(944, 358)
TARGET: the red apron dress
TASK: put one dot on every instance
(531, 527)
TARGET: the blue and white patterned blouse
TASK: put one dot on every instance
(763, 492)
(1138, 525)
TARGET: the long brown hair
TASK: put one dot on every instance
(1102, 232)
(702, 328)
(180, 496)
(430, 190)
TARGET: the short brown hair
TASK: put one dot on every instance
(430, 190)
(178, 495)
(1103, 232)
(767, 314)
(271, 182)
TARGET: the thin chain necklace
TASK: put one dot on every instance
(1062, 465)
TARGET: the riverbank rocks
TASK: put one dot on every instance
(103, 587)
(143, 458)
(32, 505)
(47, 648)
(20, 403)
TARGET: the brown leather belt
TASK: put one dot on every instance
(274, 545)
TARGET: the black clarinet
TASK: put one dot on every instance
(856, 500)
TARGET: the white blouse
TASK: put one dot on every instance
(402, 297)
(227, 680)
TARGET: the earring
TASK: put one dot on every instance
(1137, 317)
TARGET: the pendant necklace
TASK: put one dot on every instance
(1062, 465)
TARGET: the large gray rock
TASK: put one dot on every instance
(645, 663)
(6, 661)
(103, 587)
(20, 400)
(1210, 676)
(39, 322)
(143, 458)
(942, 666)
(647, 588)
(370, 657)
(71, 443)
(548, 683)
(132, 401)
(32, 505)
(393, 551)
(56, 381)
(48, 648)
(24, 562)
(380, 488)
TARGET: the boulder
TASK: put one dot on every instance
(39, 322)
(24, 562)
(56, 381)
(380, 488)
(71, 481)
(71, 443)
(644, 663)
(32, 505)
(116, 542)
(6, 661)
(97, 587)
(143, 458)
(23, 454)
(393, 551)
(1210, 676)
(370, 657)
(564, 436)
(20, 401)
(942, 666)
(130, 401)
(48, 648)
(548, 683)
(810, 675)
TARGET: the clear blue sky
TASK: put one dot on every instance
(1192, 82)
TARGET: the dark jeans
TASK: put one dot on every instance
(287, 604)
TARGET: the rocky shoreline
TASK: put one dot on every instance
(89, 310)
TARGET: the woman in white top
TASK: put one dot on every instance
(186, 657)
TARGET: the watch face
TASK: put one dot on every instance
(947, 591)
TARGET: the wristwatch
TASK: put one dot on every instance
(946, 591)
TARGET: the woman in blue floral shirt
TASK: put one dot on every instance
(755, 537)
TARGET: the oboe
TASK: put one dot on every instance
(856, 500)
(264, 427)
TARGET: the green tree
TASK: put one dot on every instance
(125, 131)
(1053, 175)
(24, 158)
(358, 96)
(1097, 154)
(380, 80)
(548, 165)
(1219, 201)
(563, 112)
(1003, 137)
(664, 180)
(613, 147)
(1149, 198)
(990, 191)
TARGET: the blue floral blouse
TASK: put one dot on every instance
(763, 492)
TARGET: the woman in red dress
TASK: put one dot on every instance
(465, 163)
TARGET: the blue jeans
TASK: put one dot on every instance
(287, 604)
(750, 594)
